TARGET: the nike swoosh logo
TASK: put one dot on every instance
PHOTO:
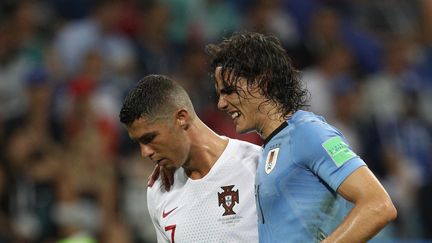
(164, 215)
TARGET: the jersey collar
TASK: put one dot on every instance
(276, 131)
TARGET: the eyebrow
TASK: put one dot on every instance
(147, 137)
(228, 90)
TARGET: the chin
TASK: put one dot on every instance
(171, 167)
(242, 130)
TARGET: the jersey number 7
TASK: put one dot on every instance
(171, 227)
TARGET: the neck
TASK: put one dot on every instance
(206, 149)
(269, 126)
(268, 121)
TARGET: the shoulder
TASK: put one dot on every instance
(243, 146)
(312, 129)
(308, 137)
(240, 149)
(246, 153)
(303, 130)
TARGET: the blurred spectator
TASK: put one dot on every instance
(193, 76)
(155, 52)
(86, 189)
(92, 104)
(39, 111)
(67, 170)
(212, 19)
(327, 28)
(269, 17)
(100, 30)
(346, 115)
(334, 63)
(403, 141)
(401, 182)
(33, 167)
(424, 59)
(385, 90)
(13, 69)
(5, 227)
(134, 172)
(204, 20)
(323, 32)
(390, 17)
(117, 232)
(29, 22)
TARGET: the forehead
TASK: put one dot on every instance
(228, 76)
(142, 126)
(218, 76)
(228, 79)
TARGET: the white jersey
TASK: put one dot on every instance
(220, 207)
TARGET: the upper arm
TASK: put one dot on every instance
(372, 209)
(323, 150)
(151, 206)
(362, 186)
(369, 197)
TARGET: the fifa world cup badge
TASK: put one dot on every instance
(271, 160)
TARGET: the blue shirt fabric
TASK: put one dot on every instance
(297, 179)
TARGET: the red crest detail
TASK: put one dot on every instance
(228, 198)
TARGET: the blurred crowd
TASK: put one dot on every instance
(69, 172)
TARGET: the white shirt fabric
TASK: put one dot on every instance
(219, 207)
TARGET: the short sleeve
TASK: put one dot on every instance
(321, 148)
(151, 206)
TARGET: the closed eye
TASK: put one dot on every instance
(228, 90)
(147, 138)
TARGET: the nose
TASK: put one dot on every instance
(146, 151)
(222, 103)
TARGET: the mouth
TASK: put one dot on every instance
(234, 115)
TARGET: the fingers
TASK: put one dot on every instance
(165, 178)
(171, 177)
(153, 176)
(166, 175)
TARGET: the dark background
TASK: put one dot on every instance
(68, 168)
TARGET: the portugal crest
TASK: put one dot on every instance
(228, 198)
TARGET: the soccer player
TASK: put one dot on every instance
(212, 198)
(310, 185)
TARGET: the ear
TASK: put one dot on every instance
(182, 118)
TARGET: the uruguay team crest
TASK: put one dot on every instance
(271, 160)
(228, 198)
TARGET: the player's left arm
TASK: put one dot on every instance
(372, 210)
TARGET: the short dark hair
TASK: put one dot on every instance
(153, 97)
(261, 60)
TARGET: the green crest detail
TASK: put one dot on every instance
(338, 150)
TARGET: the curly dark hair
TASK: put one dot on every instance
(262, 61)
(154, 97)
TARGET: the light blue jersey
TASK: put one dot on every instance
(303, 163)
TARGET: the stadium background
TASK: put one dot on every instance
(67, 167)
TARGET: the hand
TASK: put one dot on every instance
(153, 176)
(167, 177)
